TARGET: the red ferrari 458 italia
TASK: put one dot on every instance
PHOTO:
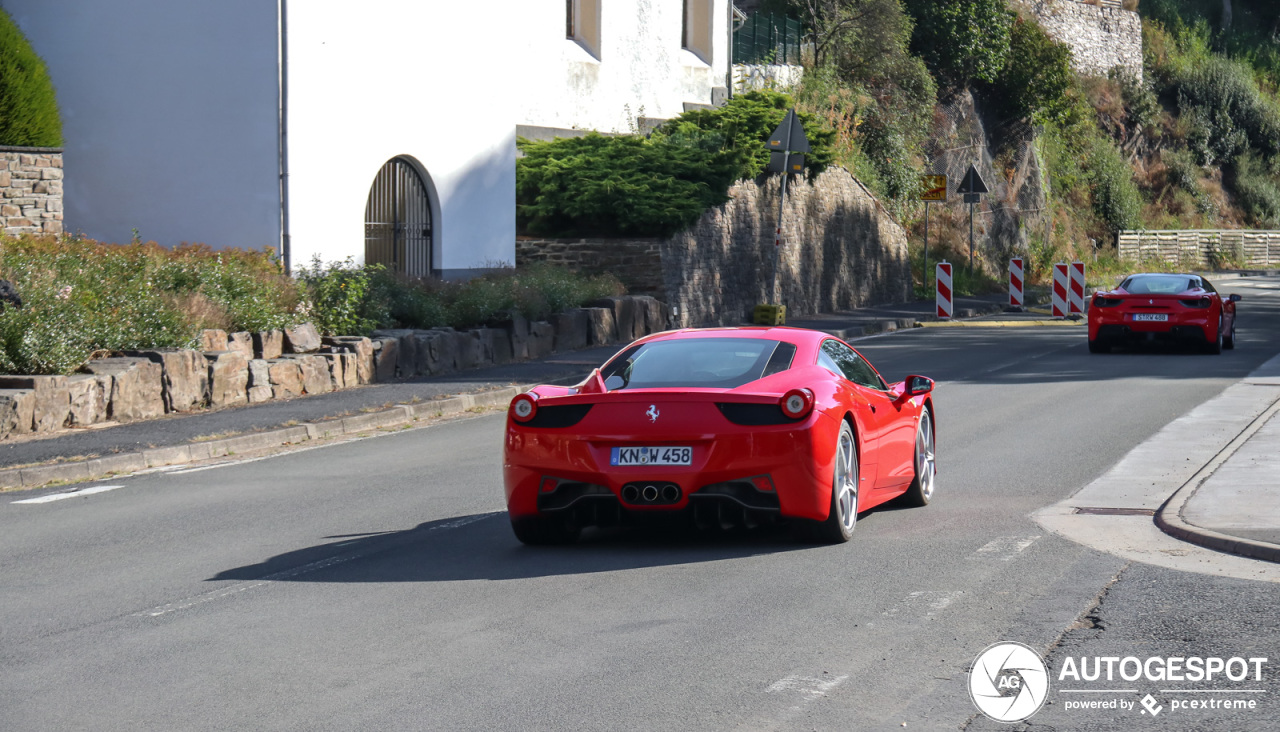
(1147, 307)
(726, 426)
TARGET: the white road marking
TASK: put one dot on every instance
(70, 494)
(1005, 547)
(808, 687)
(934, 600)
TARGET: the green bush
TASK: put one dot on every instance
(1037, 73)
(1257, 191)
(962, 40)
(81, 296)
(618, 186)
(1228, 114)
(630, 186)
(339, 298)
(28, 105)
(1116, 199)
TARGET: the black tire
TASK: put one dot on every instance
(1229, 342)
(1214, 347)
(921, 490)
(542, 531)
(840, 522)
(1099, 346)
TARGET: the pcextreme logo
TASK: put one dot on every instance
(1009, 682)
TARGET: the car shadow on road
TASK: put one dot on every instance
(482, 547)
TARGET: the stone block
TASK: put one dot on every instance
(519, 337)
(385, 359)
(242, 343)
(17, 411)
(88, 400)
(600, 326)
(228, 378)
(571, 330)
(628, 317)
(259, 394)
(350, 370)
(184, 377)
(436, 351)
(268, 344)
(542, 339)
(213, 340)
(362, 348)
(303, 338)
(316, 378)
(468, 349)
(137, 387)
(337, 378)
(286, 378)
(499, 345)
(655, 315)
(259, 373)
(406, 352)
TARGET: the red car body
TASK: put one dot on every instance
(1152, 306)
(566, 448)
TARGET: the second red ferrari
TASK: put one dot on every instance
(1146, 307)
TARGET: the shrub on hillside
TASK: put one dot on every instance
(1037, 73)
(962, 40)
(1115, 196)
(1257, 191)
(627, 185)
(1227, 112)
(28, 105)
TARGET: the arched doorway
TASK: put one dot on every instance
(397, 220)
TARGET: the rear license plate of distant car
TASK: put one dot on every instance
(651, 456)
(1154, 317)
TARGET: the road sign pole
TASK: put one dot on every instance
(971, 238)
(774, 295)
(924, 272)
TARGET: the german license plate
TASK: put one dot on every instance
(651, 456)
(1153, 317)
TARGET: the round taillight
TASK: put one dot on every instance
(797, 403)
(523, 407)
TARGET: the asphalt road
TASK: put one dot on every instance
(376, 585)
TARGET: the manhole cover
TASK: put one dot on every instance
(1108, 511)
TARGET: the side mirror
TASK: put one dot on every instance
(917, 385)
(1234, 298)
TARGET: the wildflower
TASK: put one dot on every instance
(64, 293)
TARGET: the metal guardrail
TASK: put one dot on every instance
(765, 38)
(1203, 248)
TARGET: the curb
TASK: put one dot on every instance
(1169, 516)
(132, 462)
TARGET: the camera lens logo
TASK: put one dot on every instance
(1009, 682)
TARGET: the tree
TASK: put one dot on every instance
(28, 105)
(962, 40)
(1037, 73)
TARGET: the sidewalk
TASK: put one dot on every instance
(1233, 503)
(86, 454)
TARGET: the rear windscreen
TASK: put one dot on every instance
(1158, 284)
(714, 363)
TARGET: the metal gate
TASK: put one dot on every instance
(397, 220)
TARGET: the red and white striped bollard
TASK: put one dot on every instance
(1015, 282)
(942, 280)
(1075, 295)
(1061, 281)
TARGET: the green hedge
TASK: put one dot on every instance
(28, 105)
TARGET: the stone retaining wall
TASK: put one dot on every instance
(636, 262)
(1101, 37)
(30, 190)
(248, 368)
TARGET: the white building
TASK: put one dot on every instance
(382, 131)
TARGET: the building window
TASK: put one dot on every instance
(582, 24)
(696, 37)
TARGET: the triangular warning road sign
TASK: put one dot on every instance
(972, 182)
(789, 135)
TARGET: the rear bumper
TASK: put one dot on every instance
(1170, 332)
(566, 474)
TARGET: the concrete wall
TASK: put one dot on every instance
(169, 116)
(1100, 37)
(30, 190)
(640, 70)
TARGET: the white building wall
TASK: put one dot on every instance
(169, 116)
(422, 80)
(641, 70)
